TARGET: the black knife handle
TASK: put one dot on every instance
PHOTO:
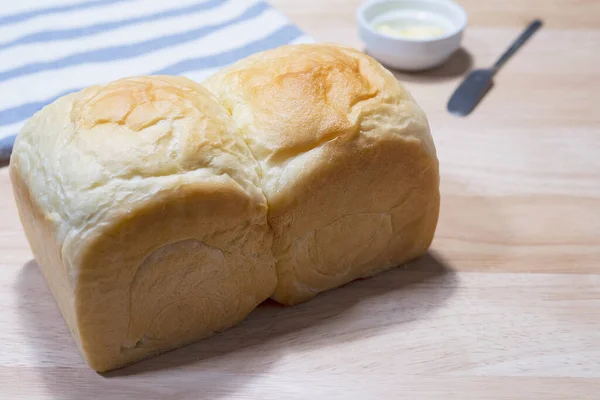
(527, 33)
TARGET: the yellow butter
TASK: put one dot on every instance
(410, 31)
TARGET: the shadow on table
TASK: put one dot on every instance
(222, 364)
(457, 65)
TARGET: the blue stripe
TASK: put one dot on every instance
(280, 37)
(7, 141)
(23, 16)
(62, 34)
(130, 50)
(19, 113)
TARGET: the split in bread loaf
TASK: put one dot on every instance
(161, 211)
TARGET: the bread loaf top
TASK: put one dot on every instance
(291, 99)
(92, 155)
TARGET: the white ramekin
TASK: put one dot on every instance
(410, 53)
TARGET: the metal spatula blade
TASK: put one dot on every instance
(470, 92)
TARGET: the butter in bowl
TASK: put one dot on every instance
(411, 35)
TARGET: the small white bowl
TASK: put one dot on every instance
(405, 52)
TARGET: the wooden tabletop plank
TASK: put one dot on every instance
(406, 326)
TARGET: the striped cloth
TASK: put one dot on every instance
(48, 49)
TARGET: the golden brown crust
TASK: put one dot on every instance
(294, 98)
(151, 126)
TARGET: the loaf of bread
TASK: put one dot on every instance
(161, 211)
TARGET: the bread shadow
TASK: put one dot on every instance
(222, 364)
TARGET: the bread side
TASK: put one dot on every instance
(348, 164)
(141, 205)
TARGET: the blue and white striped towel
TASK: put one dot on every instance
(48, 49)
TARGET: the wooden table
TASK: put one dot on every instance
(505, 306)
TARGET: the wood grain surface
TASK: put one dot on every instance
(505, 306)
